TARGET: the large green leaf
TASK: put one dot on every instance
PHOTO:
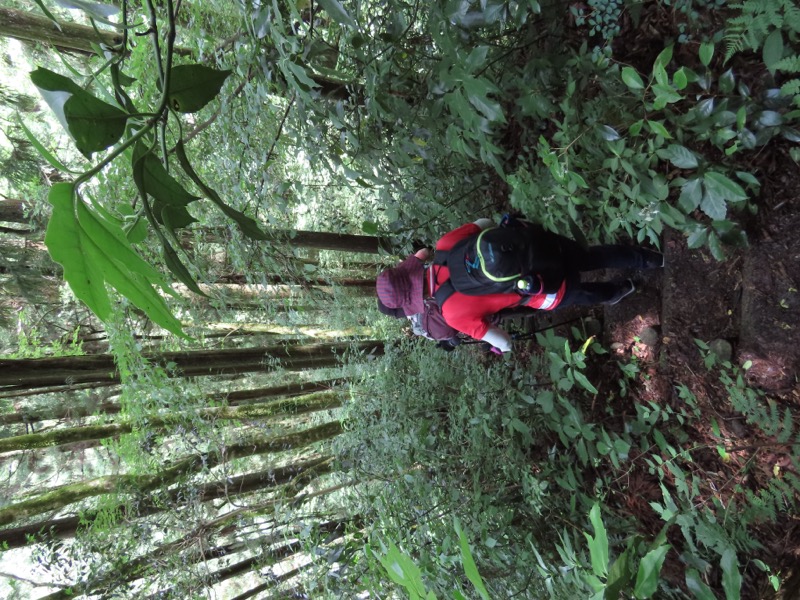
(111, 238)
(713, 203)
(92, 123)
(724, 187)
(248, 226)
(470, 568)
(191, 87)
(151, 177)
(691, 195)
(678, 155)
(598, 545)
(133, 286)
(706, 52)
(337, 13)
(731, 578)
(698, 588)
(64, 244)
(773, 50)
(649, 570)
(94, 251)
(632, 78)
(658, 128)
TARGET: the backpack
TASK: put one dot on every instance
(431, 324)
(516, 257)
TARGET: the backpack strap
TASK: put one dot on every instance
(444, 292)
(446, 288)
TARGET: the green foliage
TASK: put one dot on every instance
(774, 28)
(603, 18)
(757, 21)
(401, 570)
(93, 124)
(31, 342)
(668, 117)
(424, 449)
(610, 580)
(90, 242)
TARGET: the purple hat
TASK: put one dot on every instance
(401, 287)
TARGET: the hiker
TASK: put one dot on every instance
(480, 269)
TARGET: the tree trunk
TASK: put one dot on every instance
(343, 242)
(295, 406)
(108, 407)
(295, 475)
(41, 372)
(12, 210)
(265, 558)
(347, 282)
(29, 26)
(69, 494)
(320, 240)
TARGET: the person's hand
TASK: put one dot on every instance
(424, 254)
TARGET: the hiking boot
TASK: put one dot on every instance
(626, 288)
(651, 259)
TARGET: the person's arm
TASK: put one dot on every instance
(497, 338)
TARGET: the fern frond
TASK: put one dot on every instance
(791, 88)
(755, 20)
(789, 64)
(734, 36)
(792, 18)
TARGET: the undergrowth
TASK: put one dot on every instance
(520, 454)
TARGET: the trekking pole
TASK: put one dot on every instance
(527, 336)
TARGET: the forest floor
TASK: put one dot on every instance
(747, 308)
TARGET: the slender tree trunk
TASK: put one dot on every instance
(12, 210)
(346, 282)
(343, 242)
(263, 559)
(288, 391)
(320, 240)
(295, 406)
(294, 475)
(69, 494)
(42, 372)
(108, 407)
(29, 26)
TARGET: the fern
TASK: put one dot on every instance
(789, 64)
(757, 18)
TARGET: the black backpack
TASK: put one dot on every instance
(519, 257)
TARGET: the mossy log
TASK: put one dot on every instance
(69, 494)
